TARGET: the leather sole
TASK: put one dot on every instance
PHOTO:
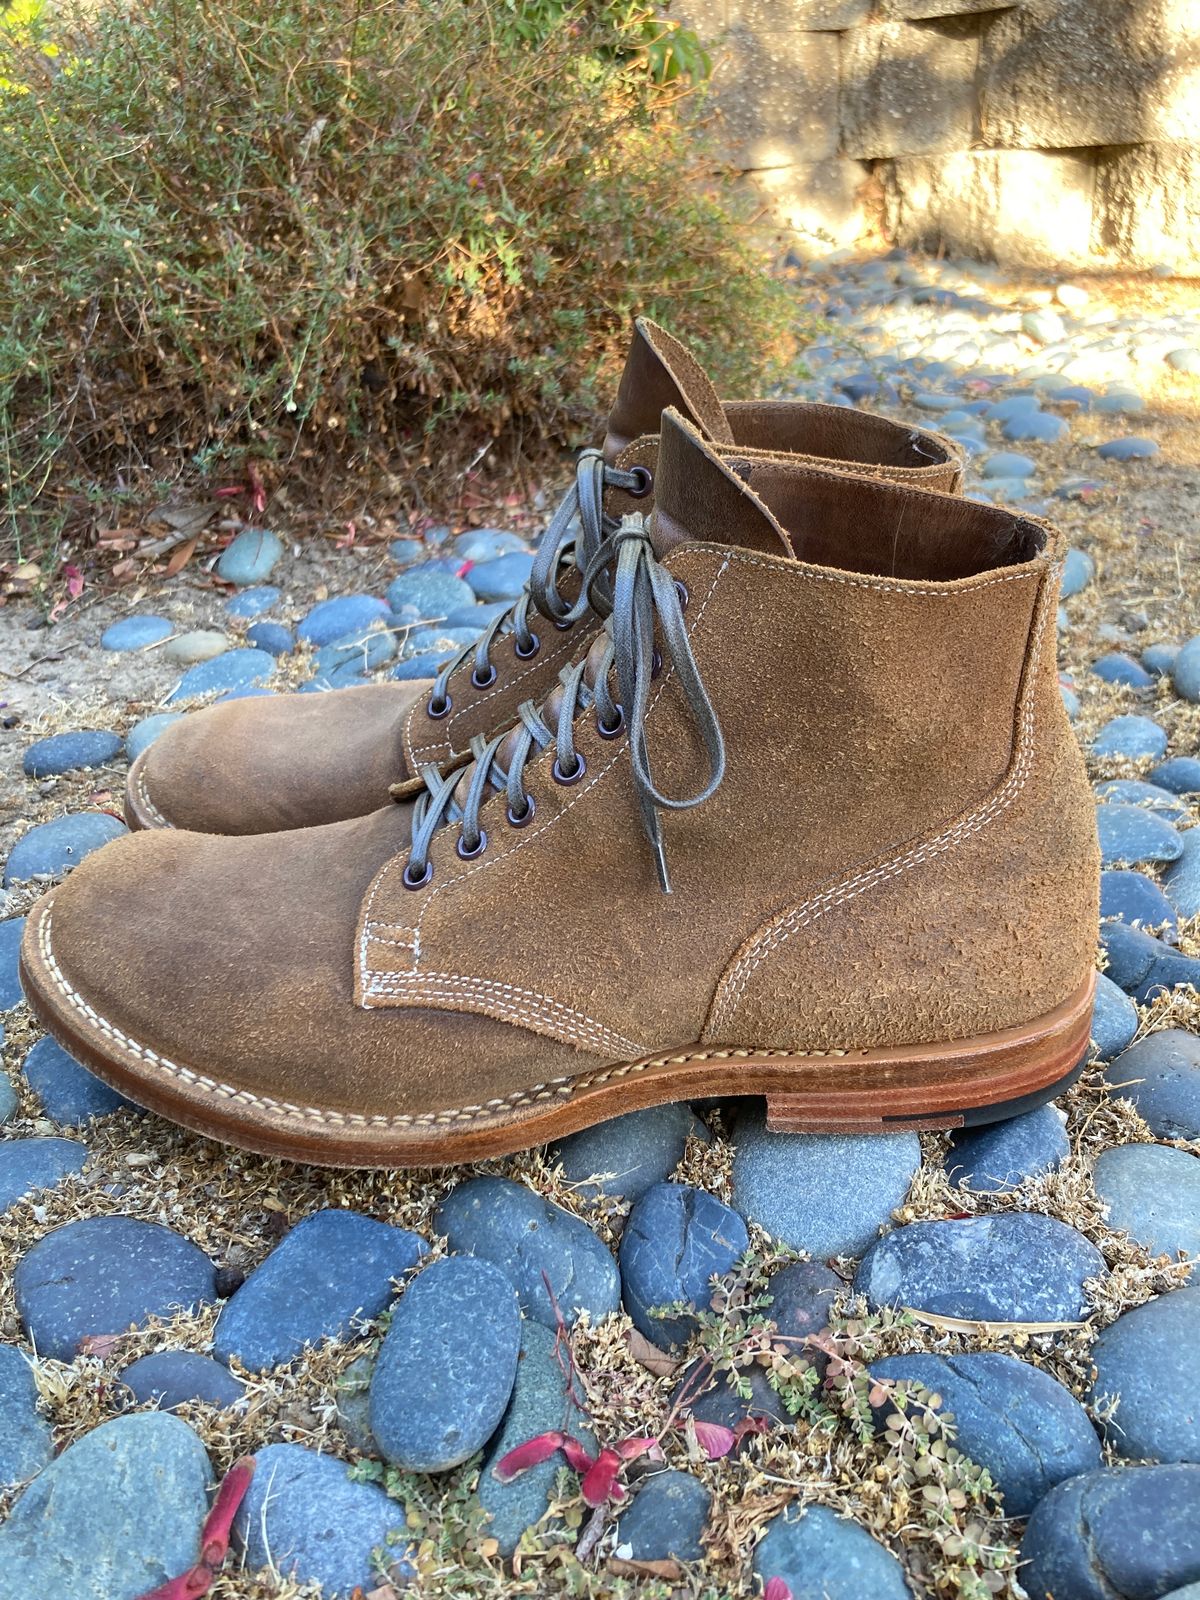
(936, 1086)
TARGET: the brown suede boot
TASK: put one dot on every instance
(258, 765)
(824, 713)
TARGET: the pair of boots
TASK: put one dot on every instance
(764, 787)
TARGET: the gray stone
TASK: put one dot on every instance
(306, 1518)
(1160, 1077)
(31, 1165)
(55, 847)
(720, 1403)
(1185, 674)
(802, 1296)
(1011, 1418)
(624, 1156)
(334, 1268)
(1135, 792)
(11, 931)
(541, 1403)
(272, 637)
(907, 91)
(201, 644)
(1182, 877)
(1180, 775)
(828, 1195)
(1012, 1267)
(1149, 1359)
(666, 1519)
(116, 1515)
(1131, 736)
(252, 602)
(993, 1159)
(429, 592)
(532, 1241)
(1115, 1534)
(335, 618)
(1132, 836)
(1128, 449)
(8, 1095)
(1136, 899)
(1114, 1019)
(1078, 571)
(70, 1094)
(503, 577)
(144, 733)
(1119, 667)
(1008, 464)
(135, 633)
(821, 1556)
(1152, 1192)
(1144, 966)
(447, 1366)
(676, 1240)
(250, 558)
(69, 752)
(177, 1377)
(26, 1443)
(235, 669)
(103, 1275)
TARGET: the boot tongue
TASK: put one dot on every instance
(700, 495)
(659, 373)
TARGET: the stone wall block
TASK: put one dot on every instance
(924, 10)
(828, 201)
(1148, 204)
(777, 94)
(1057, 74)
(908, 88)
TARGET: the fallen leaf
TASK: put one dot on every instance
(670, 1570)
(530, 1454)
(972, 1325)
(776, 1589)
(713, 1438)
(180, 558)
(650, 1356)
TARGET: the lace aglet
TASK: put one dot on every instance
(660, 861)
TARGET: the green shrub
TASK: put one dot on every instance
(354, 240)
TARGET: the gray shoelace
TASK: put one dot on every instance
(643, 592)
(573, 536)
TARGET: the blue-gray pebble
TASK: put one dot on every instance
(252, 602)
(1119, 667)
(1131, 736)
(430, 591)
(1129, 449)
(1136, 899)
(135, 633)
(26, 1443)
(821, 1556)
(1114, 1019)
(1015, 1420)
(70, 1094)
(1185, 674)
(1078, 571)
(234, 669)
(998, 1157)
(70, 752)
(541, 1403)
(677, 1238)
(272, 637)
(1114, 1534)
(1012, 1267)
(1152, 1192)
(30, 1165)
(250, 558)
(55, 847)
(624, 1156)
(177, 1377)
(1160, 1077)
(1181, 775)
(828, 1195)
(11, 932)
(1182, 877)
(333, 1268)
(1132, 836)
(115, 1515)
(143, 734)
(447, 1365)
(502, 578)
(334, 619)
(306, 1518)
(666, 1519)
(103, 1275)
(532, 1241)
(1145, 966)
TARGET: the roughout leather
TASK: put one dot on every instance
(257, 765)
(902, 850)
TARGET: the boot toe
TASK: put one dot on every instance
(273, 762)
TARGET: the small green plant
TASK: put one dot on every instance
(357, 243)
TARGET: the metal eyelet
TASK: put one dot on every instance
(568, 778)
(565, 627)
(469, 855)
(409, 882)
(522, 819)
(645, 482)
(616, 730)
(656, 664)
(681, 589)
(439, 709)
(483, 683)
(527, 655)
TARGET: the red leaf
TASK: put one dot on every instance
(214, 1538)
(600, 1481)
(630, 1449)
(530, 1454)
(74, 581)
(750, 1425)
(577, 1456)
(716, 1441)
(776, 1590)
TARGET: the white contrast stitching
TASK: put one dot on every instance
(143, 795)
(732, 987)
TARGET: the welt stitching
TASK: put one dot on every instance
(552, 1089)
(143, 795)
(733, 987)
